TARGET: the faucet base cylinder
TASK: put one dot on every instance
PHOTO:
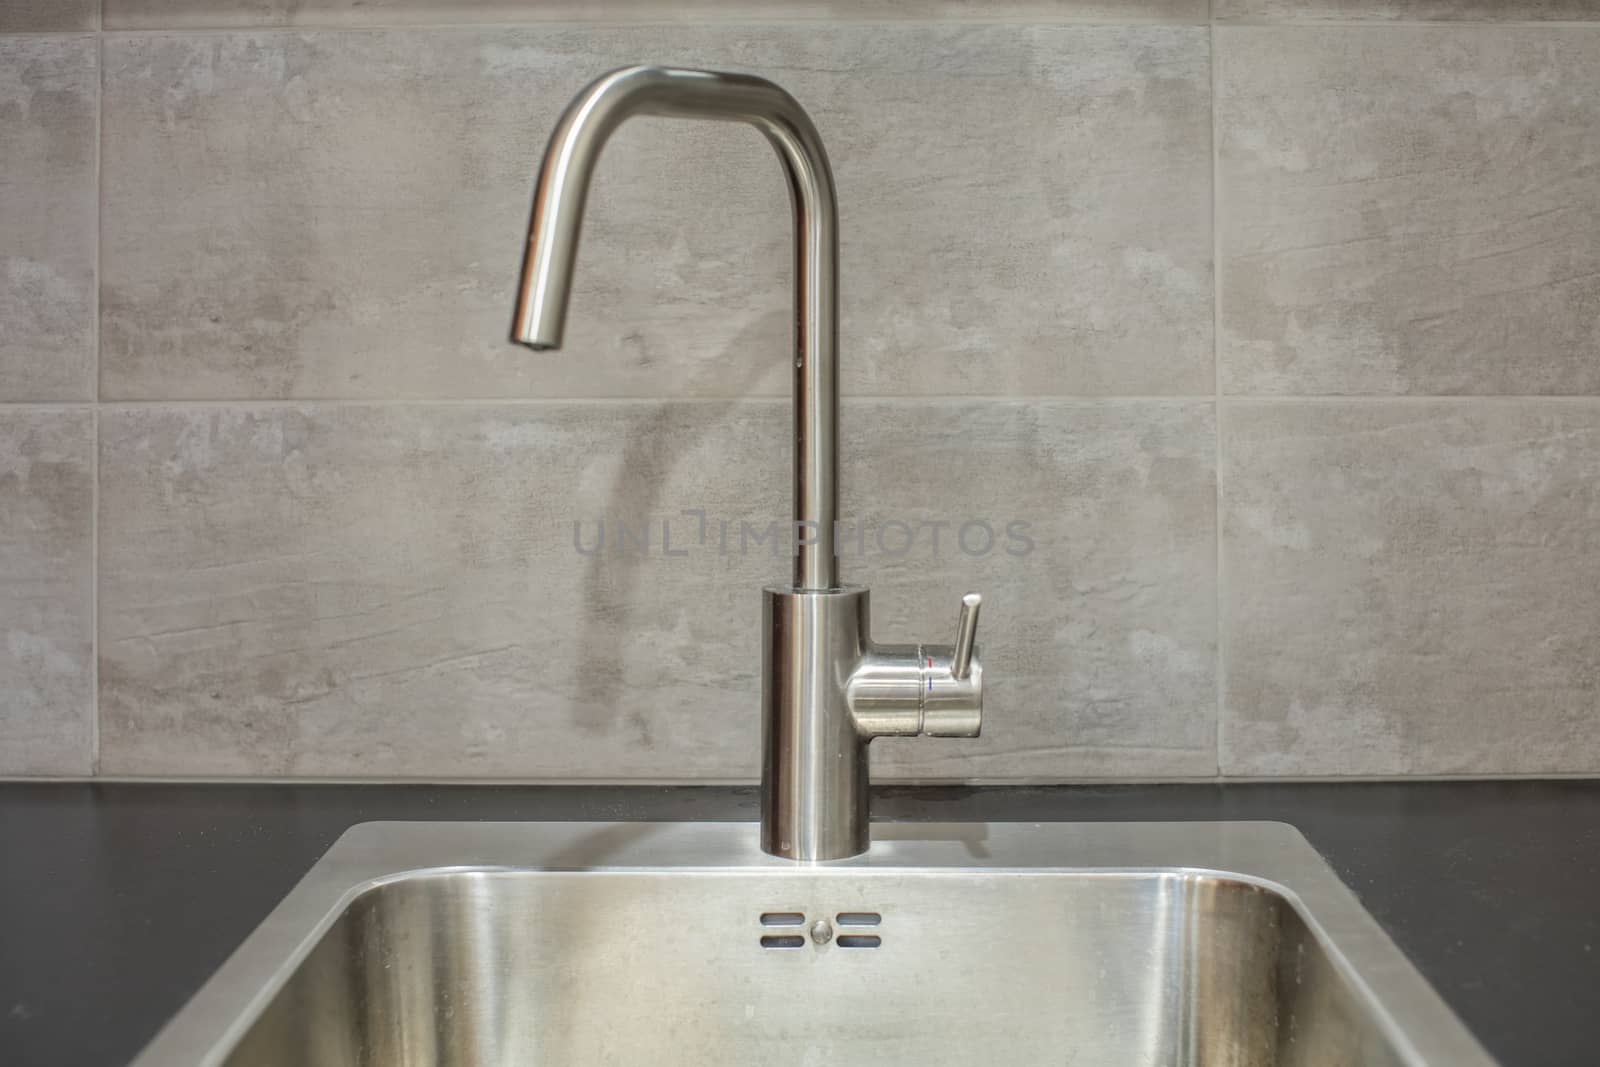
(814, 760)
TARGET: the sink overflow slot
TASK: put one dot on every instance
(858, 941)
(858, 918)
(782, 918)
(785, 941)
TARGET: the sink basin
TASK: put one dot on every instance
(681, 943)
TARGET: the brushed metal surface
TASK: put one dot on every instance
(681, 943)
(557, 222)
(827, 689)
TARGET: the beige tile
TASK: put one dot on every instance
(1411, 587)
(1409, 210)
(1334, 10)
(395, 591)
(1025, 211)
(168, 14)
(1099, 640)
(47, 222)
(46, 594)
(44, 16)
(359, 590)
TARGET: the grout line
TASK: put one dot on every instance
(797, 20)
(800, 21)
(94, 458)
(736, 22)
(1419, 398)
(94, 596)
(1221, 662)
(1223, 400)
(1023, 781)
(1381, 23)
(557, 401)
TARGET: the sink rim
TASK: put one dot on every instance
(1272, 855)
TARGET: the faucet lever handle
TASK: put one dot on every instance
(966, 634)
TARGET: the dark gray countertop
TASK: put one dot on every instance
(119, 900)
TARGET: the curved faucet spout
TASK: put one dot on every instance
(558, 204)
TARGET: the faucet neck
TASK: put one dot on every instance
(558, 205)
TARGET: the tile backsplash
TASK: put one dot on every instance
(1246, 355)
(352, 205)
(48, 94)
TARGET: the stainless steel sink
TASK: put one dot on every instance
(682, 943)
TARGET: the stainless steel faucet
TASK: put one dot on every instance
(827, 689)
